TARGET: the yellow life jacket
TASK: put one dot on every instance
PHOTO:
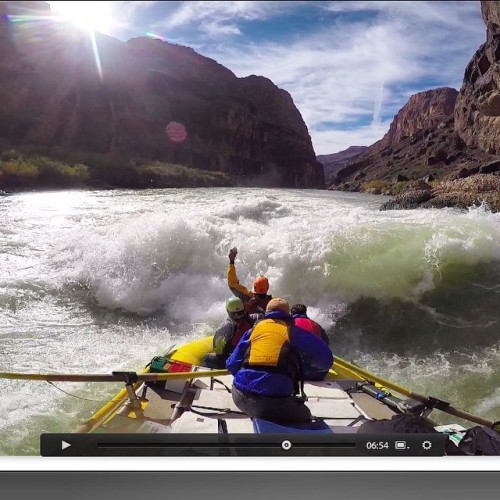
(266, 342)
(270, 350)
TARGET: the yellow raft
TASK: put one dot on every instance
(176, 393)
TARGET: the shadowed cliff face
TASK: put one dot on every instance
(148, 100)
(477, 112)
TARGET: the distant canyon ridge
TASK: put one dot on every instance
(144, 100)
(438, 139)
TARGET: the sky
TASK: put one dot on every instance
(349, 66)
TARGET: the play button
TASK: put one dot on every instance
(64, 445)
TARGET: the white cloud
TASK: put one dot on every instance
(206, 15)
(216, 29)
(443, 13)
(125, 13)
(132, 7)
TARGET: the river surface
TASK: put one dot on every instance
(97, 281)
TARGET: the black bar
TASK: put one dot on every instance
(299, 444)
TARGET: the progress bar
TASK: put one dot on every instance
(300, 444)
(219, 445)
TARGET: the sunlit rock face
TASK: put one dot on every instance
(146, 99)
(423, 110)
(420, 142)
(477, 112)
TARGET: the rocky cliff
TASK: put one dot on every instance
(148, 100)
(477, 113)
(427, 109)
(421, 141)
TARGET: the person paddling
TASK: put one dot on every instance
(255, 302)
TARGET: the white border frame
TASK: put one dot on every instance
(259, 464)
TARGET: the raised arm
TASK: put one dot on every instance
(232, 280)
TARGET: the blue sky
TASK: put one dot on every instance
(349, 66)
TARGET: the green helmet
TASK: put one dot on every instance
(234, 305)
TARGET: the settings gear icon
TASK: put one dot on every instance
(426, 445)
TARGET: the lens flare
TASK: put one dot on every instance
(176, 132)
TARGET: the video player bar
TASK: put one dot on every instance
(300, 444)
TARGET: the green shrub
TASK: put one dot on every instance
(41, 172)
(18, 173)
(397, 187)
(377, 184)
(160, 175)
(20, 169)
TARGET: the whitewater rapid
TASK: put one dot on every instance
(95, 281)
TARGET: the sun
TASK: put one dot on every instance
(90, 16)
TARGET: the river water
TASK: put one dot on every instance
(97, 281)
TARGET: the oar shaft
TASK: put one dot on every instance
(146, 377)
(60, 377)
(457, 412)
(151, 377)
(363, 374)
(407, 392)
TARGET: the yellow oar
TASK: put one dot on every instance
(114, 377)
(441, 405)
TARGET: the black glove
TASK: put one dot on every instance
(232, 255)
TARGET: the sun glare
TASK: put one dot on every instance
(90, 16)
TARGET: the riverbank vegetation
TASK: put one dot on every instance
(21, 171)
